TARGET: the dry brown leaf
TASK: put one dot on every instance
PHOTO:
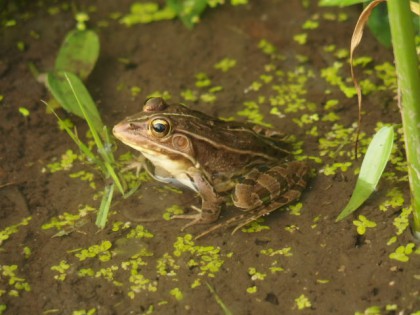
(355, 41)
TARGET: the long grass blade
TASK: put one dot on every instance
(219, 301)
(102, 215)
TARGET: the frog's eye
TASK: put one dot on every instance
(159, 127)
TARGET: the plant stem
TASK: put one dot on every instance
(402, 33)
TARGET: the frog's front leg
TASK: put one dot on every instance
(211, 203)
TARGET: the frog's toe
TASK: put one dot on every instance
(195, 219)
(138, 166)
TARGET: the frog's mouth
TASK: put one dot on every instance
(157, 153)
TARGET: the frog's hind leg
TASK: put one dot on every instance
(291, 181)
(255, 214)
(250, 216)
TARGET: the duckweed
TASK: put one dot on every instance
(171, 211)
(206, 258)
(310, 24)
(275, 268)
(65, 163)
(177, 294)
(402, 252)
(147, 12)
(252, 113)
(255, 275)
(202, 80)
(139, 283)
(68, 219)
(402, 222)
(61, 268)
(101, 250)
(287, 251)
(15, 283)
(252, 290)
(189, 95)
(301, 39)
(395, 199)
(332, 76)
(267, 47)
(225, 64)
(164, 94)
(135, 90)
(302, 302)
(255, 226)
(139, 232)
(84, 312)
(24, 111)
(166, 266)
(106, 273)
(362, 224)
(296, 208)
(12, 229)
(119, 225)
(85, 176)
(331, 169)
(292, 228)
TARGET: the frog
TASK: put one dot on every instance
(244, 163)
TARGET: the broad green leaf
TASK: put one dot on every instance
(373, 165)
(62, 92)
(340, 3)
(78, 53)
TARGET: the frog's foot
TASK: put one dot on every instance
(201, 217)
(195, 218)
(134, 165)
(138, 164)
(252, 215)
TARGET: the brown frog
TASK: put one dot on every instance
(216, 159)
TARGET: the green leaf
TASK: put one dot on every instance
(78, 53)
(340, 3)
(102, 215)
(62, 92)
(188, 11)
(379, 25)
(373, 165)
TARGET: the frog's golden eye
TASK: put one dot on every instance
(159, 127)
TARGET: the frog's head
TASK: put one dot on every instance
(155, 132)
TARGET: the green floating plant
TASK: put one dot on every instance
(302, 302)
(12, 229)
(362, 224)
(225, 64)
(102, 251)
(402, 252)
(61, 268)
(147, 12)
(16, 284)
(91, 311)
(177, 294)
